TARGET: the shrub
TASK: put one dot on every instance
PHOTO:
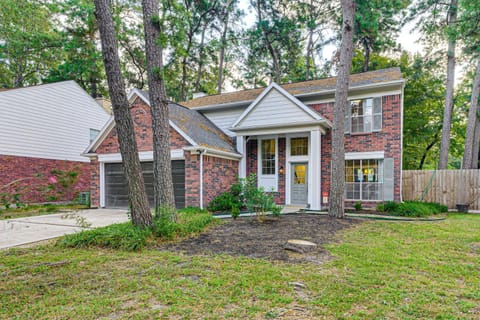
(235, 212)
(124, 236)
(380, 207)
(276, 210)
(224, 202)
(390, 206)
(418, 209)
(358, 206)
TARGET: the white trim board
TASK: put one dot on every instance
(364, 155)
(176, 154)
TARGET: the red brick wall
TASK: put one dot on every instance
(192, 180)
(94, 184)
(387, 140)
(142, 120)
(218, 176)
(282, 151)
(35, 174)
(252, 157)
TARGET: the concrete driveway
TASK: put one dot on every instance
(16, 232)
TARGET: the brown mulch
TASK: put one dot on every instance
(248, 237)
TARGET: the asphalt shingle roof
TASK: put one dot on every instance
(198, 127)
(299, 88)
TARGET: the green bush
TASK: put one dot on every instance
(124, 236)
(390, 206)
(358, 206)
(235, 212)
(276, 210)
(380, 207)
(224, 202)
(418, 209)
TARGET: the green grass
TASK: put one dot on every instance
(394, 270)
(126, 236)
(38, 209)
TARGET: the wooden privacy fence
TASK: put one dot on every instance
(447, 187)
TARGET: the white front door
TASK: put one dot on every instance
(299, 183)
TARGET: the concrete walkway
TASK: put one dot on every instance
(20, 231)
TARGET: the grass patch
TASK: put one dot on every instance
(382, 270)
(38, 209)
(126, 236)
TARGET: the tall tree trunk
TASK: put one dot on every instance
(162, 168)
(200, 59)
(140, 211)
(337, 187)
(222, 49)
(271, 50)
(447, 114)
(366, 55)
(309, 54)
(472, 120)
(476, 144)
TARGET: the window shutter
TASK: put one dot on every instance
(377, 114)
(388, 179)
(348, 110)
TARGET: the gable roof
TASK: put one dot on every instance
(50, 121)
(300, 88)
(190, 124)
(300, 110)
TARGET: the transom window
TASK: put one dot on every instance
(268, 156)
(364, 115)
(364, 179)
(299, 146)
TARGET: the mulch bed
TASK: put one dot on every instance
(248, 237)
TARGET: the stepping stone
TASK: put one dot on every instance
(299, 246)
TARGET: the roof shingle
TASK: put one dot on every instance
(299, 88)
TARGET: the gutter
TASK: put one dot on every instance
(201, 152)
(214, 152)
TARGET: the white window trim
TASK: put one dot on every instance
(175, 154)
(366, 156)
(260, 176)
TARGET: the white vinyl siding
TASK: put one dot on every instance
(224, 119)
(275, 109)
(51, 121)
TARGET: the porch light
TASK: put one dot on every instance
(281, 170)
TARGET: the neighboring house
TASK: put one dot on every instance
(44, 130)
(282, 133)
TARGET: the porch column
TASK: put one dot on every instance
(242, 165)
(315, 156)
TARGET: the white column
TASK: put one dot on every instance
(314, 192)
(241, 148)
(102, 184)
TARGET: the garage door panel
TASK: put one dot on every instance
(116, 195)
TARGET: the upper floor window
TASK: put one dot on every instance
(93, 134)
(268, 156)
(299, 146)
(364, 115)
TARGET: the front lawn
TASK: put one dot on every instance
(394, 270)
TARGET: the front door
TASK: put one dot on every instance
(299, 190)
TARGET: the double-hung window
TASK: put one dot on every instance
(364, 116)
(268, 156)
(364, 179)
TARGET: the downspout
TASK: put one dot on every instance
(201, 152)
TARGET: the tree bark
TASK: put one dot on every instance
(223, 48)
(140, 211)
(476, 144)
(337, 187)
(200, 58)
(425, 152)
(447, 114)
(162, 168)
(366, 55)
(472, 120)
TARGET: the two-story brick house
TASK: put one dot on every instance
(281, 132)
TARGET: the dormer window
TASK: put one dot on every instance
(363, 116)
